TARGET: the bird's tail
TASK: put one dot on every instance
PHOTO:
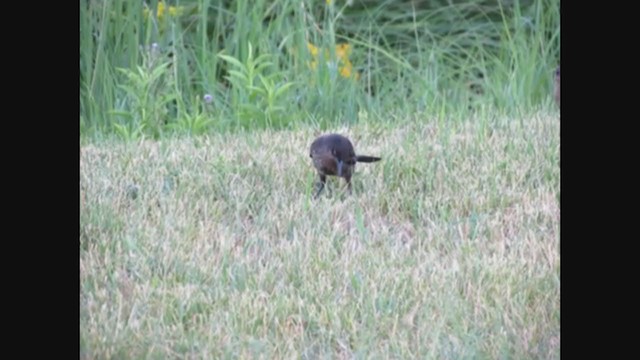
(367, 159)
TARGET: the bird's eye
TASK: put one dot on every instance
(334, 152)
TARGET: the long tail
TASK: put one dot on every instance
(367, 159)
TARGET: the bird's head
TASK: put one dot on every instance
(343, 157)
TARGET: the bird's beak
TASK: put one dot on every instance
(339, 167)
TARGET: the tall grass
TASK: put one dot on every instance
(438, 58)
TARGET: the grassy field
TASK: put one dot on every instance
(213, 247)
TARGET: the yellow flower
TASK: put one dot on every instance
(312, 49)
(347, 71)
(329, 2)
(342, 53)
(161, 7)
(173, 11)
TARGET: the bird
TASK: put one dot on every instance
(556, 86)
(333, 155)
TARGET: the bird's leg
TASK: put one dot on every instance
(323, 180)
(348, 180)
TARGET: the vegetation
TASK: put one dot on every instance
(281, 64)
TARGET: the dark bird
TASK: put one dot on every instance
(333, 155)
(556, 86)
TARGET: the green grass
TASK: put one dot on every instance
(448, 248)
(146, 76)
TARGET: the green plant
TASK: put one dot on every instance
(197, 123)
(148, 95)
(259, 92)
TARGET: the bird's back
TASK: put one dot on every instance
(328, 142)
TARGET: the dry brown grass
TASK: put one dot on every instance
(213, 247)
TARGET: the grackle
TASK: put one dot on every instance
(333, 155)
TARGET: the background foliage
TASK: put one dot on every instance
(146, 67)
